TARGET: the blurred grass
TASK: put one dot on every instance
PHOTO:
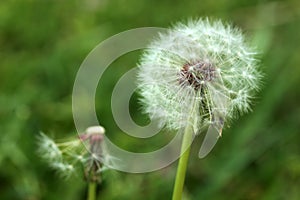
(42, 46)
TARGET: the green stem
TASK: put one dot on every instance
(92, 191)
(181, 170)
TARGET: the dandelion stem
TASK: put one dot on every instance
(181, 170)
(92, 191)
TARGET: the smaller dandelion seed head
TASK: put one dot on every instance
(65, 156)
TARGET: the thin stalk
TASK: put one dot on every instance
(182, 165)
(92, 191)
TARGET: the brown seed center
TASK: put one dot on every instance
(197, 74)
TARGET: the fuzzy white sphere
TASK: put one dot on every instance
(198, 73)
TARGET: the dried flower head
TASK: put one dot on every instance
(86, 151)
(201, 73)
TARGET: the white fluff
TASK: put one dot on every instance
(175, 104)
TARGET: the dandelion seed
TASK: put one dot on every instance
(48, 148)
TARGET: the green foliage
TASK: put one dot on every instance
(42, 46)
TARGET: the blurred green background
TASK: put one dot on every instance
(42, 44)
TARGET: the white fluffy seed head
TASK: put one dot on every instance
(200, 72)
(72, 155)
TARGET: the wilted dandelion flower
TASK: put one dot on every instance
(86, 151)
(199, 74)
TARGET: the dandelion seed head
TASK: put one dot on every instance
(84, 152)
(196, 70)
